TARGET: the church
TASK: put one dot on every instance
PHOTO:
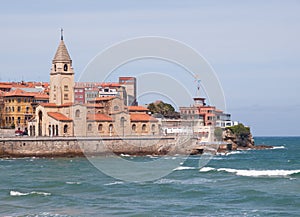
(102, 116)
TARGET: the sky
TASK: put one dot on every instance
(253, 46)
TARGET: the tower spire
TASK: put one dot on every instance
(61, 34)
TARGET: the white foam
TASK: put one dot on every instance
(206, 169)
(17, 193)
(125, 155)
(259, 173)
(73, 183)
(253, 173)
(114, 183)
(184, 168)
(279, 147)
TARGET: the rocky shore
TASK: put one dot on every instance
(241, 141)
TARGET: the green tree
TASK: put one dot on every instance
(240, 131)
(165, 109)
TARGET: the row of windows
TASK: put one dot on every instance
(12, 109)
(78, 90)
(66, 88)
(65, 67)
(188, 112)
(19, 100)
(111, 127)
(10, 120)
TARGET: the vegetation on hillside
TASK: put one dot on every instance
(164, 109)
(240, 131)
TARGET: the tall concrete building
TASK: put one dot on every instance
(130, 85)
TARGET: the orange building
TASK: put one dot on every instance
(18, 107)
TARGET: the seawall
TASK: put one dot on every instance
(80, 146)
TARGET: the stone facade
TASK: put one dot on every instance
(101, 116)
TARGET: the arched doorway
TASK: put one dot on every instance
(40, 123)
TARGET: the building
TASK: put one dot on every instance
(130, 85)
(18, 107)
(99, 115)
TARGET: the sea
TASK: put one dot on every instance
(239, 183)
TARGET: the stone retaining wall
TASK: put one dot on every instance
(74, 146)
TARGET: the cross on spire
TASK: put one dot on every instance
(61, 34)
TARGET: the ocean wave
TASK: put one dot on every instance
(207, 169)
(17, 193)
(125, 155)
(73, 183)
(114, 183)
(279, 147)
(194, 181)
(253, 173)
(184, 168)
(230, 153)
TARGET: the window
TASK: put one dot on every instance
(77, 113)
(116, 108)
(19, 108)
(27, 109)
(19, 100)
(55, 67)
(13, 109)
(66, 96)
(54, 88)
(133, 127)
(100, 127)
(144, 127)
(66, 88)
(110, 128)
(65, 67)
(19, 120)
(89, 127)
(65, 128)
(54, 96)
(153, 127)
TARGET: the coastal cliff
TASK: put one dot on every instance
(240, 137)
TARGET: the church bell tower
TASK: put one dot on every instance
(61, 76)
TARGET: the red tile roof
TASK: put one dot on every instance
(18, 92)
(142, 118)
(98, 117)
(104, 98)
(137, 108)
(48, 104)
(110, 85)
(59, 116)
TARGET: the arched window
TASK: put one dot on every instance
(100, 127)
(55, 67)
(77, 113)
(65, 128)
(90, 127)
(116, 108)
(65, 67)
(133, 127)
(153, 127)
(144, 127)
(110, 128)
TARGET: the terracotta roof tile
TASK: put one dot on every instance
(98, 117)
(59, 116)
(137, 108)
(18, 92)
(142, 118)
(105, 98)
